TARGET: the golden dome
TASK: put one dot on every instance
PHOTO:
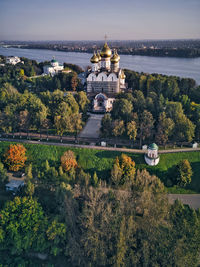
(94, 58)
(123, 76)
(115, 58)
(106, 51)
(98, 55)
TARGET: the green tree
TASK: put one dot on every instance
(3, 173)
(132, 130)
(164, 129)
(184, 173)
(118, 128)
(122, 109)
(146, 124)
(82, 101)
(123, 171)
(95, 179)
(106, 125)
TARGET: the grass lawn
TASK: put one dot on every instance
(101, 161)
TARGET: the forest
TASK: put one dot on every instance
(39, 103)
(91, 208)
(160, 108)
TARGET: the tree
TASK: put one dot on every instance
(164, 129)
(95, 179)
(22, 223)
(82, 101)
(74, 81)
(3, 173)
(184, 173)
(146, 124)
(132, 130)
(118, 128)
(123, 170)
(68, 160)
(76, 123)
(29, 188)
(15, 157)
(24, 228)
(28, 172)
(62, 119)
(122, 109)
(106, 125)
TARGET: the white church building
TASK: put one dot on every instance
(105, 79)
(54, 68)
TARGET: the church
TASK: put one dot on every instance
(105, 79)
(54, 68)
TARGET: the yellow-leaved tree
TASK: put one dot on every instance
(68, 160)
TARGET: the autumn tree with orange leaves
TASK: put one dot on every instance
(68, 160)
(15, 157)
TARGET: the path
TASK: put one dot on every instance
(92, 127)
(193, 200)
(129, 150)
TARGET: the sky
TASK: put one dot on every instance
(92, 19)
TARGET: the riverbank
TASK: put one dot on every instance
(183, 67)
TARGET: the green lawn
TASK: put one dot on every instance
(101, 161)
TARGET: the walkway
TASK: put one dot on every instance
(92, 127)
(128, 150)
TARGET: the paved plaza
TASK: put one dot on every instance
(92, 127)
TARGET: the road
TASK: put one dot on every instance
(193, 200)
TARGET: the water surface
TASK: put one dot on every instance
(183, 67)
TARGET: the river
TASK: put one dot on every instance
(183, 67)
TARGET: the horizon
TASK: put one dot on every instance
(103, 40)
(24, 20)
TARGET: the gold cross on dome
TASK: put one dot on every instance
(105, 37)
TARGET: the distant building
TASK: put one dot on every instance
(105, 79)
(54, 68)
(13, 60)
(152, 158)
(14, 186)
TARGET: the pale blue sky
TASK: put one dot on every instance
(90, 19)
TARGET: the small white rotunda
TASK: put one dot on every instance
(151, 157)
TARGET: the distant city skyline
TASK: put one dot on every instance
(89, 20)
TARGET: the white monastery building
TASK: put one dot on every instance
(54, 68)
(13, 60)
(105, 79)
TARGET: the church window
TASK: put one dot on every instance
(102, 78)
(92, 78)
(112, 79)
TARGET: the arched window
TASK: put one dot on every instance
(102, 78)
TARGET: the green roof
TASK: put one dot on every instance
(153, 146)
(53, 60)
